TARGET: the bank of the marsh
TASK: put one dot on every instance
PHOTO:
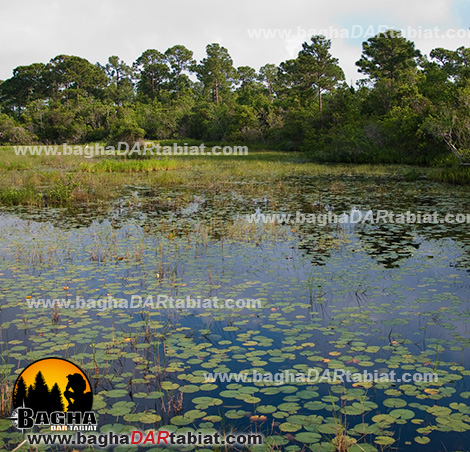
(61, 180)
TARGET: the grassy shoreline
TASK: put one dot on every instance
(60, 180)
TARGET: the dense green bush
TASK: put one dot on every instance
(12, 133)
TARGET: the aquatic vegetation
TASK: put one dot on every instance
(458, 175)
(352, 297)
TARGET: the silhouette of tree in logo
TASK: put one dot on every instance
(37, 396)
(56, 403)
(82, 401)
(20, 393)
(41, 387)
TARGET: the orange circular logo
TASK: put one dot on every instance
(53, 384)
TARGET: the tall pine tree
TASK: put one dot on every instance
(55, 400)
(20, 393)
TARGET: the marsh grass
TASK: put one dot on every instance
(456, 175)
(5, 392)
(59, 193)
(128, 166)
(64, 180)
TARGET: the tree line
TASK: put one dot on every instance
(409, 107)
(38, 396)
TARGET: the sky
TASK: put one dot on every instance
(255, 32)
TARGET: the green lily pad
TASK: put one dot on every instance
(308, 437)
(384, 440)
(402, 414)
(422, 439)
(289, 427)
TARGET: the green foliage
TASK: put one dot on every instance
(61, 192)
(12, 133)
(153, 74)
(211, 121)
(217, 73)
(125, 129)
(120, 88)
(128, 166)
(19, 196)
(180, 60)
(412, 175)
(161, 121)
(71, 77)
(244, 125)
(27, 84)
(388, 56)
(409, 109)
(316, 69)
(458, 175)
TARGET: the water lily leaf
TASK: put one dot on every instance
(117, 393)
(289, 427)
(328, 429)
(439, 411)
(384, 419)
(169, 385)
(235, 414)
(394, 403)
(207, 401)
(181, 420)
(422, 439)
(266, 409)
(149, 418)
(213, 418)
(189, 388)
(308, 437)
(363, 447)
(402, 413)
(384, 440)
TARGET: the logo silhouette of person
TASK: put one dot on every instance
(82, 400)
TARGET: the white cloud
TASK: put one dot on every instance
(35, 31)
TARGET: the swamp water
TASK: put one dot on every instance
(386, 297)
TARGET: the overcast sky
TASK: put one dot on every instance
(37, 30)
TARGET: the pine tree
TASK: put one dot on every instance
(55, 400)
(30, 398)
(20, 394)
(38, 396)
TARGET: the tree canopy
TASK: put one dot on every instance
(409, 107)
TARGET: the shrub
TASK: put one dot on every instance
(12, 133)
